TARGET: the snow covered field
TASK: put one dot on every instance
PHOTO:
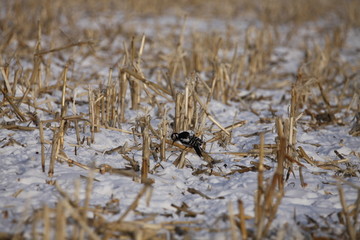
(78, 87)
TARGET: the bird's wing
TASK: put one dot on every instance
(198, 151)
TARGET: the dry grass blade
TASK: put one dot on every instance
(209, 115)
(7, 84)
(17, 111)
(42, 142)
(155, 87)
(269, 197)
(63, 110)
(185, 208)
(91, 113)
(145, 149)
(66, 196)
(305, 156)
(347, 182)
(163, 132)
(291, 159)
(116, 129)
(63, 47)
(206, 157)
(36, 218)
(54, 152)
(47, 223)
(180, 160)
(242, 219)
(348, 223)
(18, 128)
(240, 154)
(178, 110)
(60, 221)
(260, 190)
(134, 204)
(122, 94)
(194, 191)
(61, 155)
(80, 219)
(303, 183)
(228, 128)
(233, 228)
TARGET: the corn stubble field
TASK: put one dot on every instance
(91, 92)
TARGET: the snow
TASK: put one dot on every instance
(24, 187)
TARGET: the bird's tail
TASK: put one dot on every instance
(198, 151)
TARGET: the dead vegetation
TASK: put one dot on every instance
(42, 66)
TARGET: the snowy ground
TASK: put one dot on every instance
(24, 187)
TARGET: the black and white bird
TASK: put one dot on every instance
(189, 140)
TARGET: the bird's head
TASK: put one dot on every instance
(174, 137)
